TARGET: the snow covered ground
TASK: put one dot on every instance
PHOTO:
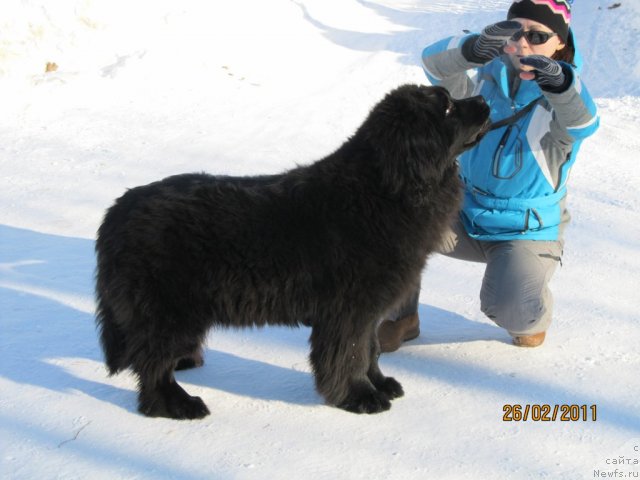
(147, 89)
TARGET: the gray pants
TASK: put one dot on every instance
(515, 292)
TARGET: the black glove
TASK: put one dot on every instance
(549, 74)
(489, 44)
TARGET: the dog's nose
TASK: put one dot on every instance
(478, 99)
(479, 102)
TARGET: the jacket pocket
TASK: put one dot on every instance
(503, 222)
(507, 158)
(487, 215)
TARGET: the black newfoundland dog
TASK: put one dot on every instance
(334, 245)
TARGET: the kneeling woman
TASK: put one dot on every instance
(515, 179)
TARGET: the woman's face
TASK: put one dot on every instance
(522, 48)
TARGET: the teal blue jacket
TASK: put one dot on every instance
(515, 179)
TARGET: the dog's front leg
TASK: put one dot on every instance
(388, 385)
(341, 361)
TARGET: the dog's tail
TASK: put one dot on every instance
(112, 338)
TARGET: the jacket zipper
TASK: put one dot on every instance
(498, 153)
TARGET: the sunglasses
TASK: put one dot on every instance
(534, 37)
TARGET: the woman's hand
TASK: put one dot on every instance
(547, 72)
(490, 43)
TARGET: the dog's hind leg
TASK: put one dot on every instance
(196, 359)
(161, 396)
(341, 361)
(387, 385)
(165, 398)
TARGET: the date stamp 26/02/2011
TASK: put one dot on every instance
(549, 413)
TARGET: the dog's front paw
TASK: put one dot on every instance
(366, 400)
(391, 387)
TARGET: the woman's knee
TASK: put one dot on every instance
(518, 314)
(514, 291)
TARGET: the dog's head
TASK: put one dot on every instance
(416, 133)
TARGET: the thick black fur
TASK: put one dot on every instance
(334, 245)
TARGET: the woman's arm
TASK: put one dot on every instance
(446, 62)
(444, 65)
(574, 108)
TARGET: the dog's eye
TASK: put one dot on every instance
(450, 109)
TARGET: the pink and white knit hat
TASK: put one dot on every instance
(555, 14)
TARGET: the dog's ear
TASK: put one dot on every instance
(409, 146)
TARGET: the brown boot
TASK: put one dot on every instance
(534, 340)
(392, 333)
